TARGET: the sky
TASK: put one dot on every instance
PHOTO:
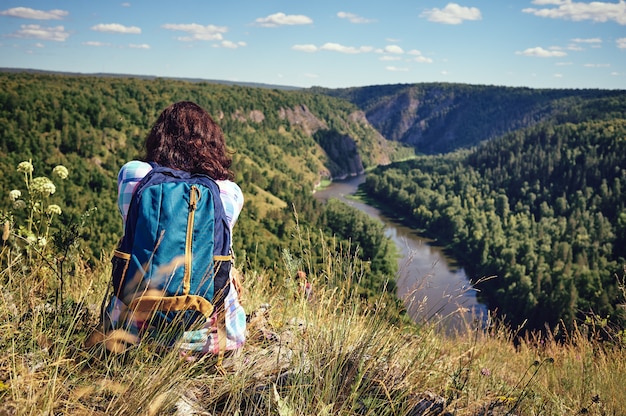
(328, 43)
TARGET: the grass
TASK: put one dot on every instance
(334, 354)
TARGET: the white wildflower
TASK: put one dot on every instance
(53, 210)
(19, 204)
(43, 186)
(42, 241)
(15, 194)
(60, 171)
(25, 167)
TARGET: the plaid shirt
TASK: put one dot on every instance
(134, 171)
(203, 340)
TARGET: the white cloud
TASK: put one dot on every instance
(452, 14)
(418, 57)
(597, 65)
(336, 47)
(353, 18)
(28, 13)
(621, 43)
(396, 69)
(282, 19)
(545, 2)
(305, 48)
(577, 42)
(393, 49)
(116, 28)
(575, 47)
(390, 58)
(587, 40)
(557, 75)
(564, 63)
(232, 45)
(197, 32)
(95, 43)
(56, 33)
(310, 75)
(542, 53)
(125, 4)
(596, 11)
(139, 46)
(422, 60)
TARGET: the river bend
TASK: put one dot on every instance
(434, 289)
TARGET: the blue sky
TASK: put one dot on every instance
(335, 44)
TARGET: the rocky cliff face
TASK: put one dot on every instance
(341, 149)
(437, 118)
(344, 158)
(302, 117)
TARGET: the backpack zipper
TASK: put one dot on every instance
(194, 196)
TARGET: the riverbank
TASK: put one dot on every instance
(431, 285)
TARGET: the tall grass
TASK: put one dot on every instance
(335, 353)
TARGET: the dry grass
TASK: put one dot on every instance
(332, 355)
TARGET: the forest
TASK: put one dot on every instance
(438, 118)
(541, 209)
(94, 125)
(524, 185)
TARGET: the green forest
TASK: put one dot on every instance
(437, 118)
(541, 209)
(94, 125)
(524, 185)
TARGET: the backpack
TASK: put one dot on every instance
(172, 266)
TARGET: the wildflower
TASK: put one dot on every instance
(19, 204)
(53, 209)
(485, 372)
(25, 167)
(15, 194)
(43, 186)
(60, 171)
(42, 241)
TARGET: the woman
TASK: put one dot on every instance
(186, 138)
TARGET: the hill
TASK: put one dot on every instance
(547, 196)
(440, 118)
(541, 209)
(287, 141)
(149, 77)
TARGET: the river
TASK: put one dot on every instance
(434, 289)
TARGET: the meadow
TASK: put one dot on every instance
(333, 353)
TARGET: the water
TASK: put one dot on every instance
(433, 287)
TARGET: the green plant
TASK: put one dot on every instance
(32, 230)
(40, 210)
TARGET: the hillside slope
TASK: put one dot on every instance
(439, 117)
(284, 143)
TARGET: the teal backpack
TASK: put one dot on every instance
(172, 266)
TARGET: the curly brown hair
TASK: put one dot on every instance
(185, 137)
